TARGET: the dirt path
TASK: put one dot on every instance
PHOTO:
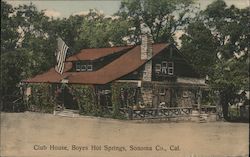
(34, 134)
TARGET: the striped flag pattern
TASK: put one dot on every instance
(60, 55)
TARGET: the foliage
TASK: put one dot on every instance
(230, 28)
(26, 48)
(86, 100)
(163, 17)
(91, 30)
(18, 64)
(217, 43)
(9, 35)
(199, 46)
(41, 99)
(116, 97)
(100, 31)
(230, 25)
(116, 90)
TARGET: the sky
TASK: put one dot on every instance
(60, 9)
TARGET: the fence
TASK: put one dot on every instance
(12, 103)
(158, 113)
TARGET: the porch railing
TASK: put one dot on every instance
(151, 113)
(163, 112)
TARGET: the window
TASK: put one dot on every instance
(158, 68)
(89, 67)
(170, 68)
(162, 91)
(185, 94)
(78, 66)
(164, 67)
(164, 64)
(83, 67)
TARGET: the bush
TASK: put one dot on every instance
(116, 100)
(41, 98)
(86, 99)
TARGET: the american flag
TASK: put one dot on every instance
(61, 52)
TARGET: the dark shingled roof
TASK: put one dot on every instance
(125, 64)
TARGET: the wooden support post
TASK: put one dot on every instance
(130, 113)
(199, 100)
(98, 98)
(218, 106)
(52, 92)
(171, 96)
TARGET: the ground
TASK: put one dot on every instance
(35, 134)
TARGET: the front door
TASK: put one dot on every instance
(67, 99)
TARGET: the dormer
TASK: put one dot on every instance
(88, 60)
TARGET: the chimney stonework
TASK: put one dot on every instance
(146, 54)
(147, 72)
(146, 47)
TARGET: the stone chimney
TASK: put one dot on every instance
(146, 54)
(146, 51)
(146, 46)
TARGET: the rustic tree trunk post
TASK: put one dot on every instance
(52, 92)
(63, 97)
(130, 113)
(218, 105)
(171, 94)
(199, 100)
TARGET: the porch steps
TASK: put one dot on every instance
(196, 116)
(203, 118)
(67, 113)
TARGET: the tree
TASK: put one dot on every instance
(100, 31)
(231, 29)
(199, 46)
(91, 30)
(9, 34)
(15, 66)
(224, 31)
(163, 17)
(26, 46)
(36, 36)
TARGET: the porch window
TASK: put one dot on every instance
(78, 66)
(185, 94)
(162, 91)
(170, 68)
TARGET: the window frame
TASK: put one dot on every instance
(83, 69)
(164, 67)
(162, 91)
(185, 94)
(158, 68)
(78, 66)
(89, 69)
(164, 63)
(170, 68)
